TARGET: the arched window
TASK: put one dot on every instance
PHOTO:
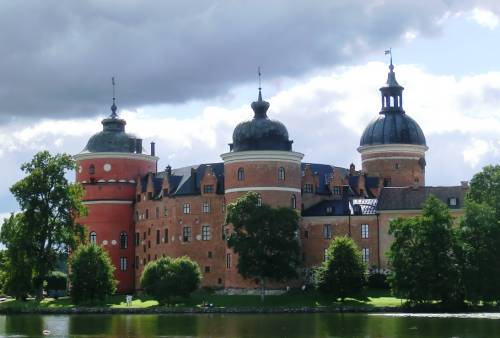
(123, 240)
(293, 202)
(93, 237)
(281, 174)
(91, 169)
(259, 200)
(241, 174)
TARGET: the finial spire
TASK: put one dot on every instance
(113, 106)
(260, 85)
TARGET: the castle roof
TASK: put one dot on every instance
(409, 198)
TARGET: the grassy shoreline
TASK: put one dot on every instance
(290, 302)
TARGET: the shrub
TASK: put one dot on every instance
(91, 274)
(56, 284)
(343, 272)
(378, 281)
(168, 277)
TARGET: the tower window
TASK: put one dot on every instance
(327, 231)
(91, 169)
(365, 253)
(157, 236)
(397, 166)
(137, 239)
(281, 174)
(259, 200)
(241, 174)
(93, 237)
(123, 263)
(293, 202)
(123, 240)
(165, 235)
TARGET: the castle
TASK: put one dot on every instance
(138, 213)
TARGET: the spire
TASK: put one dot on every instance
(260, 106)
(392, 91)
(113, 106)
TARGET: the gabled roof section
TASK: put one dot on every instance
(337, 208)
(409, 198)
(324, 171)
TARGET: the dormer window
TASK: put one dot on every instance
(452, 201)
(308, 188)
(281, 174)
(165, 192)
(208, 189)
(336, 191)
(150, 195)
(329, 210)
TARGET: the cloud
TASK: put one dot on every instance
(484, 18)
(57, 58)
(325, 116)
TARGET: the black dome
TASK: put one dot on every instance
(260, 133)
(393, 127)
(113, 137)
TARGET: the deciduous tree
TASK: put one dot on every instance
(264, 238)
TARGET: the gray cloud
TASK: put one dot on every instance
(58, 57)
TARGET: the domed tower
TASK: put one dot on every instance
(108, 168)
(260, 160)
(393, 145)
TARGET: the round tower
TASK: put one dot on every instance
(393, 145)
(108, 168)
(260, 160)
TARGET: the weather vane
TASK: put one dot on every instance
(259, 73)
(389, 52)
(113, 84)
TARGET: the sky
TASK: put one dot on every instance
(186, 73)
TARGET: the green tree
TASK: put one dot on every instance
(57, 282)
(18, 273)
(91, 274)
(480, 236)
(343, 274)
(49, 205)
(423, 256)
(265, 239)
(167, 277)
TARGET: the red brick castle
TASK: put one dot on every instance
(138, 213)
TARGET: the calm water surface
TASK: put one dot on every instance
(246, 326)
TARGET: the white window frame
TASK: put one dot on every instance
(186, 208)
(365, 254)
(123, 263)
(205, 207)
(206, 233)
(327, 231)
(365, 231)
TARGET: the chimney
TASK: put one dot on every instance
(352, 169)
(138, 146)
(168, 171)
(152, 149)
(464, 184)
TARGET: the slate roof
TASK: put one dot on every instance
(338, 207)
(324, 171)
(408, 198)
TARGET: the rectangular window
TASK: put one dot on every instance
(209, 254)
(387, 182)
(327, 231)
(144, 235)
(205, 207)
(186, 234)
(336, 191)
(147, 213)
(208, 189)
(207, 269)
(157, 236)
(365, 253)
(144, 248)
(137, 239)
(306, 234)
(206, 233)
(364, 230)
(149, 244)
(157, 212)
(228, 261)
(123, 263)
(165, 235)
(308, 188)
(165, 211)
(452, 202)
(186, 208)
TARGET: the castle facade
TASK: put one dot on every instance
(138, 213)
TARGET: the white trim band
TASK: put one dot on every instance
(128, 156)
(393, 148)
(262, 155)
(391, 158)
(262, 189)
(107, 202)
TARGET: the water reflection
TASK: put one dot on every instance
(248, 326)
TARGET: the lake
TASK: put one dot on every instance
(249, 325)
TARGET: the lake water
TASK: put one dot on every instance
(245, 325)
